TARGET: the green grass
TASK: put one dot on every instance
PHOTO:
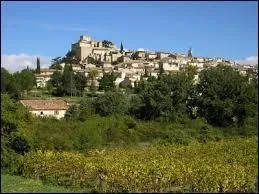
(17, 184)
(43, 94)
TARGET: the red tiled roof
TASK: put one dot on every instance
(45, 104)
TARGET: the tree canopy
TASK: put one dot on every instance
(224, 96)
(107, 82)
(107, 43)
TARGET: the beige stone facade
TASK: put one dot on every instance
(130, 64)
(55, 108)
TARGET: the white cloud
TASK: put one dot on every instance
(252, 60)
(141, 49)
(17, 62)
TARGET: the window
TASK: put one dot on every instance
(56, 112)
(41, 113)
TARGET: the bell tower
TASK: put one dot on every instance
(190, 53)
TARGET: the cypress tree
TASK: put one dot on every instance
(38, 65)
(121, 48)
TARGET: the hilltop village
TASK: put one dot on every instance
(105, 57)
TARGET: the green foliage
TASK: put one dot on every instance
(68, 80)
(70, 58)
(56, 79)
(126, 84)
(223, 96)
(49, 86)
(107, 82)
(86, 109)
(121, 48)
(107, 43)
(18, 184)
(38, 66)
(11, 162)
(165, 96)
(55, 63)
(13, 144)
(5, 80)
(26, 79)
(15, 84)
(71, 112)
(110, 103)
(225, 166)
(80, 82)
(68, 83)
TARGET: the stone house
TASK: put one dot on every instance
(124, 59)
(44, 76)
(47, 71)
(115, 55)
(76, 67)
(162, 55)
(41, 80)
(107, 57)
(169, 66)
(128, 53)
(151, 56)
(55, 108)
(139, 55)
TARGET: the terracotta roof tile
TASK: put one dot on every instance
(45, 104)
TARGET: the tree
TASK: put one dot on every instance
(107, 82)
(71, 112)
(15, 83)
(161, 68)
(110, 103)
(49, 86)
(121, 49)
(56, 81)
(92, 76)
(55, 62)
(24, 80)
(86, 108)
(165, 96)
(38, 66)
(71, 58)
(80, 82)
(14, 116)
(9, 84)
(68, 78)
(191, 71)
(126, 83)
(224, 97)
(107, 43)
(5, 80)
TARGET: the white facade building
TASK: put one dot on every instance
(55, 108)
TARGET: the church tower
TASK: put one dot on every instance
(190, 53)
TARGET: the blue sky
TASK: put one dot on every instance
(215, 29)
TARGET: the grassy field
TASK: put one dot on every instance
(16, 184)
(42, 94)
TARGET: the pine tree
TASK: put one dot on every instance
(121, 48)
(38, 65)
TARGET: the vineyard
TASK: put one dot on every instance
(223, 166)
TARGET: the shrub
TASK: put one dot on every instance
(11, 162)
(110, 103)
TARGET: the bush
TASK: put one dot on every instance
(110, 103)
(11, 162)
